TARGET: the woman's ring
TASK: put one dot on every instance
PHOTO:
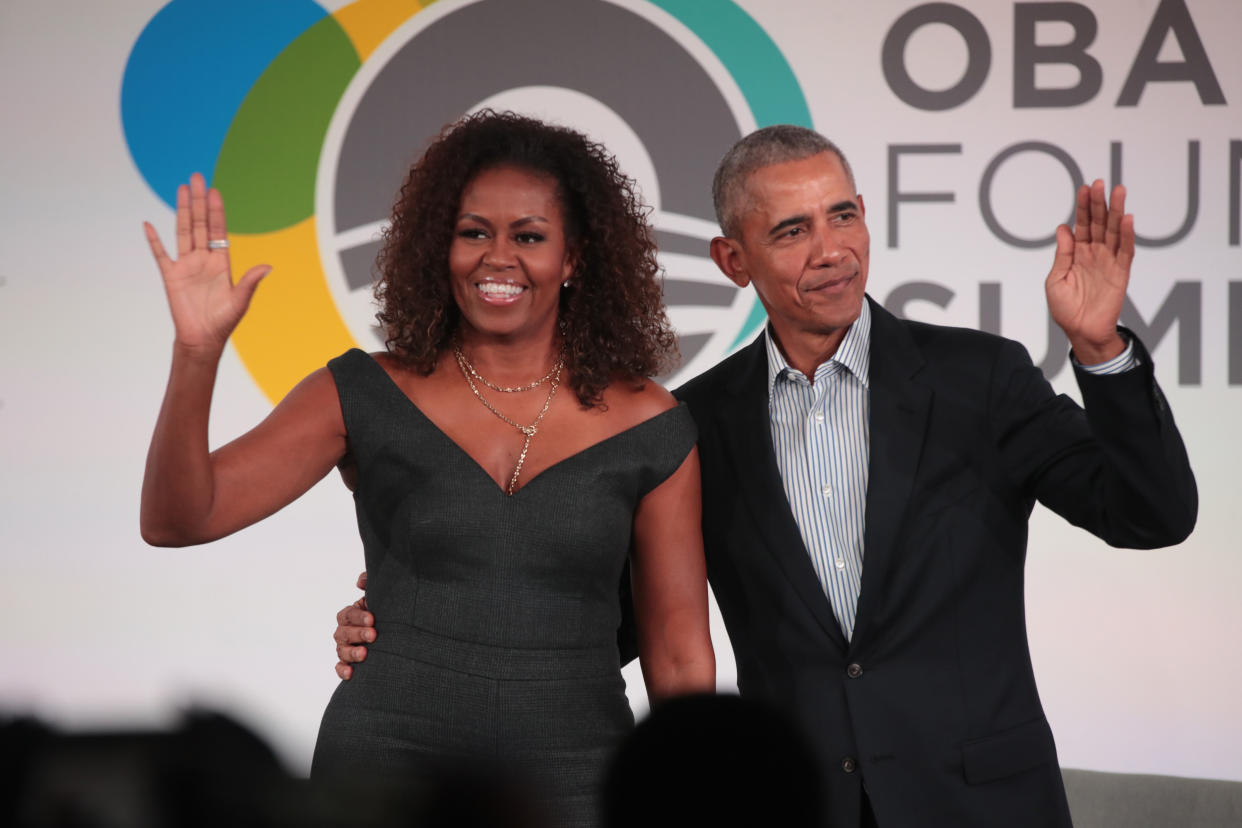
(218, 244)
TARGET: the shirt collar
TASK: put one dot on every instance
(853, 354)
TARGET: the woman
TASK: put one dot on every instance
(505, 454)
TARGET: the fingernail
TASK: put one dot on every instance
(368, 635)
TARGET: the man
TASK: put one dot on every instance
(867, 483)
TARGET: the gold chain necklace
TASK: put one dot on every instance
(504, 389)
(528, 432)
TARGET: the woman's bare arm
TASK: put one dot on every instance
(189, 494)
(670, 588)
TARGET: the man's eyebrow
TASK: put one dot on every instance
(789, 222)
(839, 207)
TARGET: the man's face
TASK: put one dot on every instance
(803, 243)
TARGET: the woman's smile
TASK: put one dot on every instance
(500, 293)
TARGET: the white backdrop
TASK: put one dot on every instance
(1136, 652)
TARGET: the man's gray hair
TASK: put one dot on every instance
(763, 148)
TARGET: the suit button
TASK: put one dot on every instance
(848, 764)
(854, 670)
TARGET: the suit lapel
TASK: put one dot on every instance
(899, 411)
(747, 435)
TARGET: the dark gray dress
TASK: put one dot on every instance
(496, 615)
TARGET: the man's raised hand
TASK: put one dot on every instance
(1087, 284)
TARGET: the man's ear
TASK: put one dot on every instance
(862, 208)
(727, 254)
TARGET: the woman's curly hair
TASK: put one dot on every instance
(612, 315)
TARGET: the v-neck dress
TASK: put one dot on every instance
(496, 615)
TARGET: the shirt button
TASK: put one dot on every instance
(840, 563)
(848, 764)
(827, 490)
(819, 417)
(854, 670)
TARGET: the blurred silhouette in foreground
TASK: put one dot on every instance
(708, 760)
(715, 761)
(213, 772)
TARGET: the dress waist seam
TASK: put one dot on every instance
(495, 661)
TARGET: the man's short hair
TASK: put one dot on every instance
(763, 148)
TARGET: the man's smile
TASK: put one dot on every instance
(832, 286)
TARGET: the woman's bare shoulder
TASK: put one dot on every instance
(632, 402)
(400, 368)
(397, 369)
(387, 360)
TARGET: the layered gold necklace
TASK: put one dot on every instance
(528, 431)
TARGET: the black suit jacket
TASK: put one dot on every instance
(932, 705)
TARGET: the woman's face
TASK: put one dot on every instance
(509, 254)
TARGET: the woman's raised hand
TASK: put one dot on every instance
(206, 306)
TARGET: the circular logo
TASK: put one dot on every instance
(311, 132)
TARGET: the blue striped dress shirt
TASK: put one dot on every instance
(821, 433)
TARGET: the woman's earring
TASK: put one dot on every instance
(565, 283)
